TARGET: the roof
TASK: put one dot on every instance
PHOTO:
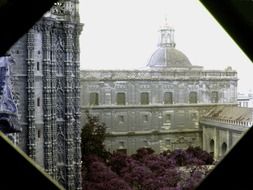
(167, 57)
(232, 113)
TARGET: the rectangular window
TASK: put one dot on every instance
(38, 66)
(38, 102)
(194, 116)
(215, 97)
(93, 98)
(121, 118)
(144, 98)
(168, 98)
(121, 98)
(167, 118)
(122, 150)
(193, 99)
(38, 133)
(145, 118)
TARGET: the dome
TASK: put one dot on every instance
(166, 57)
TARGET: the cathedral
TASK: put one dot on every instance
(170, 104)
(44, 94)
(160, 106)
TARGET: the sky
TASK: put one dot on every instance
(123, 34)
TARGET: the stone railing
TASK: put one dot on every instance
(229, 122)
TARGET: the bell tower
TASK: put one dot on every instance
(46, 80)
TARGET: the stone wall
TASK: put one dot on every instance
(223, 134)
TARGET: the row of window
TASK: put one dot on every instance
(145, 118)
(144, 98)
(243, 104)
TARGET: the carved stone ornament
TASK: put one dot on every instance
(8, 108)
(59, 8)
(63, 8)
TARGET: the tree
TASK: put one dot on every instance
(93, 136)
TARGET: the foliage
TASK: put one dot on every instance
(93, 136)
(101, 177)
(144, 170)
(176, 170)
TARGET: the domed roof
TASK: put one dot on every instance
(168, 57)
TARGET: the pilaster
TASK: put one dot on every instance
(53, 106)
(31, 94)
(46, 45)
(69, 120)
(76, 99)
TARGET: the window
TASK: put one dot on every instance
(167, 141)
(121, 98)
(38, 66)
(145, 118)
(38, 102)
(122, 151)
(193, 98)
(223, 148)
(93, 98)
(144, 98)
(194, 116)
(168, 98)
(212, 147)
(38, 133)
(167, 118)
(121, 118)
(214, 98)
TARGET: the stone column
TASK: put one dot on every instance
(69, 120)
(46, 47)
(76, 99)
(53, 105)
(30, 92)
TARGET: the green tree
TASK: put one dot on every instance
(93, 136)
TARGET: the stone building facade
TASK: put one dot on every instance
(223, 126)
(46, 82)
(157, 107)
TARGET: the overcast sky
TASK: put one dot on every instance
(123, 34)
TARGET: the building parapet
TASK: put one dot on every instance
(228, 124)
(172, 74)
(156, 106)
(153, 132)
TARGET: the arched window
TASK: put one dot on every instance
(144, 98)
(223, 148)
(168, 98)
(94, 98)
(121, 98)
(212, 147)
(193, 99)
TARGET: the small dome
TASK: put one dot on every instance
(166, 57)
